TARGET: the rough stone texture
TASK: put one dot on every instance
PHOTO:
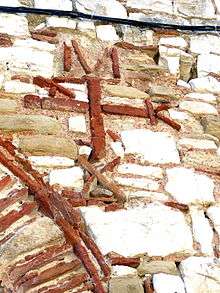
(48, 145)
(207, 63)
(202, 230)
(196, 8)
(205, 84)
(196, 159)
(125, 92)
(125, 285)
(156, 267)
(72, 177)
(201, 274)
(35, 123)
(7, 24)
(198, 108)
(7, 106)
(168, 283)
(188, 187)
(155, 147)
(211, 125)
(162, 91)
(205, 43)
(197, 143)
(136, 230)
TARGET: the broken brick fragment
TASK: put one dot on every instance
(52, 91)
(77, 202)
(114, 207)
(40, 37)
(32, 102)
(115, 63)
(67, 57)
(22, 78)
(162, 107)
(80, 57)
(133, 262)
(176, 205)
(170, 122)
(111, 165)
(50, 32)
(69, 105)
(96, 120)
(150, 110)
(114, 136)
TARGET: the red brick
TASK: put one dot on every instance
(32, 102)
(64, 105)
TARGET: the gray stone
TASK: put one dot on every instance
(211, 125)
(195, 8)
(36, 123)
(125, 285)
(155, 267)
(158, 90)
(48, 145)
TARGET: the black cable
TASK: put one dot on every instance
(130, 22)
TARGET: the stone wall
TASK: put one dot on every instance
(143, 107)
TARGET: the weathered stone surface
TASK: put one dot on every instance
(125, 92)
(106, 33)
(168, 283)
(177, 115)
(48, 145)
(158, 90)
(174, 42)
(201, 274)
(29, 61)
(186, 63)
(71, 177)
(197, 143)
(213, 213)
(207, 63)
(78, 124)
(55, 4)
(141, 183)
(156, 267)
(136, 230)
(202, 230)
(198, 107)
(161, 5)
(135, 169)
(111, 9)
(18, 87)
(61, 22)
(155, 147)
(7, 106)
(170, 58)
(51, 162)
(36, 123)
(7, 25)
(205, 84)
(211, 125)
(125, 285)
(186, 186)
(205, 44)
(35, 235)
(196, 8)
(202, 96)
(196, 159)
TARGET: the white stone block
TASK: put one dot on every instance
(155, 196)
(85, 150)
(207, 63)
(118, 148)
(187, 187)
(137, 231)
(106, 33)
(154, 147)
(85, 25)
(201, 274)
(202, 230)
(77, 124)
(61, 22)
(71, 177)
(201, 96)
(14, 25)
(177, 115)
(11, 3)
(55, 4)
(51, 161)
(141, 183)
(173, 41)
(136, 169)
(214, 215)
(34, 44)
(205, 84)
(164, 283)
(204, 44)
(183, 83)
(198, 107)
(18, 87)
(197, 143)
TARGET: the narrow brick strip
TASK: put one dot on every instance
(32, 102)
(133, 262)
(13, 197)
(176, 205)
(68, 105)
(96, 120)
(13, 216)
(67, 58)
(70, 79)
(115, 63)
(46, 32)
(125, 110)
(106, 182)
(114, 135)
(162, 107)
(150, 111)
(5, 182)
(81, 59)
(40, 37)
